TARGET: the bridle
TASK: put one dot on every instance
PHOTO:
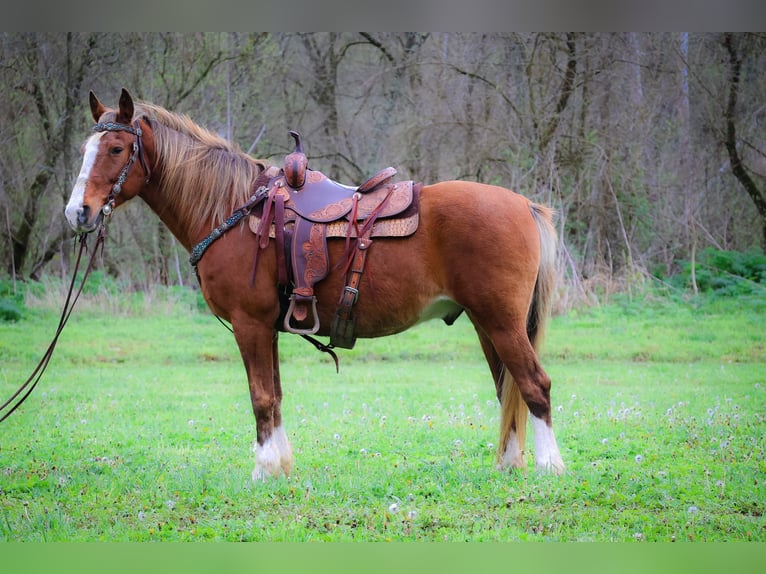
(138, 152)
(10, 405)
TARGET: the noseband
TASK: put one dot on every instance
(138, 148)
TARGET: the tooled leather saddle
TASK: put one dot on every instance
(302, 209)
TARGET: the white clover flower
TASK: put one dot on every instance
(692, 510)
(393, 508)
(639, 458)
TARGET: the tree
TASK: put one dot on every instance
(735, 46)
(46, 93)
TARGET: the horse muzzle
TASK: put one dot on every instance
(81, 219)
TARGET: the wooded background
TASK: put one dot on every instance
(651, 147)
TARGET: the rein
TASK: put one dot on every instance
(9, 406)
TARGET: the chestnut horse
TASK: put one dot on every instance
(479, 248)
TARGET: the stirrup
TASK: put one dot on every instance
(296, 330)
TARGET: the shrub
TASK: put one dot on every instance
(11, 302)
(725, 273)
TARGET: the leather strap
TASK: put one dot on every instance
(343, 331)
(69, 304)
(279, 238)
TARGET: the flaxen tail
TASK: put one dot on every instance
(513, 408)
(542, 300)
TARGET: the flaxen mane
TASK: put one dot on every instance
(197, 161)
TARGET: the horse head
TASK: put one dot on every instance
(107, 178)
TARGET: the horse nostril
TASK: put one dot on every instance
(83, 215)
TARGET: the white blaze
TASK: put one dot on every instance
(74, 206)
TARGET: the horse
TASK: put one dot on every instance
(479, 249)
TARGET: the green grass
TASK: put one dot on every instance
(141, 429)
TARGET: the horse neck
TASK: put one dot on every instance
(189, 206)
(188, 233)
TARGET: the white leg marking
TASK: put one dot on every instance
(512, 456)
(547, 455)
(78, 192)
(285, 451)
(267, 459)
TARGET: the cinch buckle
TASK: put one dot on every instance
(352, 291)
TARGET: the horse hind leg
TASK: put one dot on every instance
(525, 385)
(513, 410)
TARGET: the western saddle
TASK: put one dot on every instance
(302, 209)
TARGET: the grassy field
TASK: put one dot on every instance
(142, 430)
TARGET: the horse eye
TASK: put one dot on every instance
(117, 150)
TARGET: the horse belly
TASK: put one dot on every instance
(397, 289)
(442, 308)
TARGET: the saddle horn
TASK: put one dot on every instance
(296, 164)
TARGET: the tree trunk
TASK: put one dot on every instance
(737, 167)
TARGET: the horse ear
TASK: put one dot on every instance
(96, 107)
(125, 115)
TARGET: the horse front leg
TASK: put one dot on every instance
(285, 451)
(258, 347)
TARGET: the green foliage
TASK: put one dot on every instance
(100, 282)
(10, 310)
(725, 273)
(11, 301)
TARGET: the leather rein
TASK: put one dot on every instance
(15, 401)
